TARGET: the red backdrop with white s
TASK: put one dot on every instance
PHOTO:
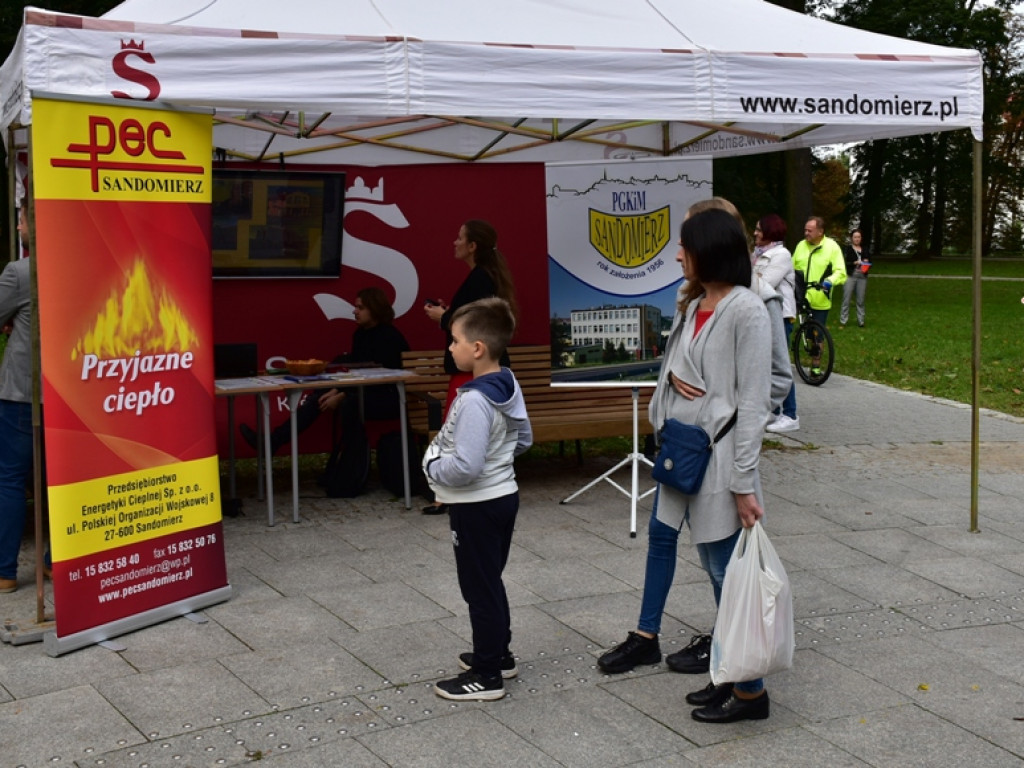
(400, 224)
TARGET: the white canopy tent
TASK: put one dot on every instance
(406, 81)
(386, 81)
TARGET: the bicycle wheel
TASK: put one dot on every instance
(813, 352)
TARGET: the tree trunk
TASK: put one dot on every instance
(939, 228)
(872, 222)
(799, 200)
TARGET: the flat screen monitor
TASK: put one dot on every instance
(277, 223)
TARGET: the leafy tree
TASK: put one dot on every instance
(915, 194)
(832, 193)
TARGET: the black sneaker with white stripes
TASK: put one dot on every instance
(508, 664)
(469, 686)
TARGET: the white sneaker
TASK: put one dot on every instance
(784, 424)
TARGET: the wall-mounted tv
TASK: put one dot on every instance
(277, 223)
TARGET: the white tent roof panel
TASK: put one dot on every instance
(655, 77)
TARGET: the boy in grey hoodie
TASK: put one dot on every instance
(469, 467)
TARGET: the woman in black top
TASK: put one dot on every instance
(489, 275)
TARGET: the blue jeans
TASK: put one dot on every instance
(15, 466)
(662, 544)
(789, 404)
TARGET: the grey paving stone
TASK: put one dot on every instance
(909, 736)
(997, 648)
(247, 586)
(300, 673)
(883, 584)
(278, 622)
(533, 632)
(400, 562)
(869, 515)
(408, 652)
(815, 596)
(554, 543)
(892, 545)
(631, 566)
(178, 699)
(464, 738)
(300, 576)
(372, 606)
(298, 541)
(177, 641)
(589, 727)
(58, 728)
(443, 589)
(661, 696)
(27, 671)
(563, 579)
(793, 748)
(968, 576)
(817, 550)
(987, 545)
(818, 688)
(961, 612)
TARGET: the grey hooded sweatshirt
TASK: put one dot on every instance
(470, 459)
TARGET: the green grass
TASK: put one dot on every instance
(958, 267)
(918, 338)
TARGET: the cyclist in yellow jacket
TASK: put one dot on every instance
(820, 260)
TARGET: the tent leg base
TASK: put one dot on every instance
(25, 632)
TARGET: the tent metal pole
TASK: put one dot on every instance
(976, 335)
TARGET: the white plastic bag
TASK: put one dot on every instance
(754, 630)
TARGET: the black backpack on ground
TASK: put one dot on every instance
(349, 464)
(389, 465)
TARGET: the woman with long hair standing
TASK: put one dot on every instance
(717, 367)
(477, 247)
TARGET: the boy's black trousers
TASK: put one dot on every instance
(482, 538)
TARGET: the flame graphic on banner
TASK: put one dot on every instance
(137, 320)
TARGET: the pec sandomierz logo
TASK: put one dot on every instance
(629, 240)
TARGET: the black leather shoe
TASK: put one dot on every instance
(635, 650)
(435, 509)
(709, 696)
(694, 659)
(734, 709)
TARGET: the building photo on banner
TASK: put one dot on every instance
(613, 235)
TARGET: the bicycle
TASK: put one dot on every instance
(813, 349)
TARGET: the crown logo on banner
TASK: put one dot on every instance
(359, 191)
(131, 45)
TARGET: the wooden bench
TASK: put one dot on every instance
(556, 413)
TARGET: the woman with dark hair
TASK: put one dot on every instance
(717, 366)
(857, 264)
(477, 247)
(774, 263)
(374, 341)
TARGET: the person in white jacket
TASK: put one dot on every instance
(469, 467)
(773, 263)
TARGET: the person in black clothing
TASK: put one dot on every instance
(858, 262)
(375, 341)
(489, 275)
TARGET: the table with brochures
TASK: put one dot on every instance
(293, 387)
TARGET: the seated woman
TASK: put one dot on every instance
(375, 340)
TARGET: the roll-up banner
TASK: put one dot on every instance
(122, 249)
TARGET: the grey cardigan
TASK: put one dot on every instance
(16, 307)
(730, 359)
